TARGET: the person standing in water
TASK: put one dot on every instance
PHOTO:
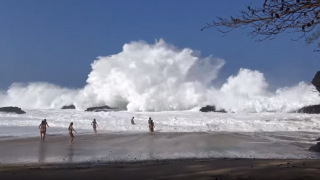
(151, 125)
(42, 127)
(94, 125)
(45, 122)
(132, 121)
(149, 121)
(45, 126)
(70, 131)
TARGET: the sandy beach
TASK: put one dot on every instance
(224, 169)
(160, 156)
(114, 147)
(220, 106)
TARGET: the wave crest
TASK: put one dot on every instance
(158, 77)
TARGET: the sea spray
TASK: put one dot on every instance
(161, 77)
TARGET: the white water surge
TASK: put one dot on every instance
(178, 134)
(173, 121)
(161, 77)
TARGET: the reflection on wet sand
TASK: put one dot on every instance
(151, 148)
(70, 153)
(118, 147)
(42, 151)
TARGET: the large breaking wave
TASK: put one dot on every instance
(158, 77)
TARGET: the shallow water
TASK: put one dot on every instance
(178, 134)
(173, 121)
(143, 146)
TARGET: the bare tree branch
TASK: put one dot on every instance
(275, 17)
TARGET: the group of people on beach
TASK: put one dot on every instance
(150, 122)
(43, 128)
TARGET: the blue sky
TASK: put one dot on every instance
(55, 41)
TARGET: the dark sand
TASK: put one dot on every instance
(240, 169)
(142, 156)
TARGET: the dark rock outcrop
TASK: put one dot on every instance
(208, 109)
(314, 109)
(316, 81)
(211, 109)
(315, 148)
(69, 107)
(12, 110)
(99, 108)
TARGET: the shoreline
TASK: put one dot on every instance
(118, 147)
(224, 169)
(221, 156)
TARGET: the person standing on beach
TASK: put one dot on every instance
(45, 126)
(151, 125)
(45, 122)
(132, 121)
(70, 131)
(42, 128)
(94, 125)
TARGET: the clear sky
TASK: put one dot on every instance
(55, 40)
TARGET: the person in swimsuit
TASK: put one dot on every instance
(45, 122)
(94, 125)
(42, 127)
(70, 131)
(132, 121)
(151, 126)
(45, 126)
(149, 121)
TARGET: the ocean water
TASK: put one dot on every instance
(168, 84)
(178, 134)
(26, 125)
(171, 121)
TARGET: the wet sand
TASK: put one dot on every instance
(160, 156)
(213, 169)
(143, 146)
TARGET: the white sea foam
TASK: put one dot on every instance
(178, 134)
(171, 121)
(161, 77)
